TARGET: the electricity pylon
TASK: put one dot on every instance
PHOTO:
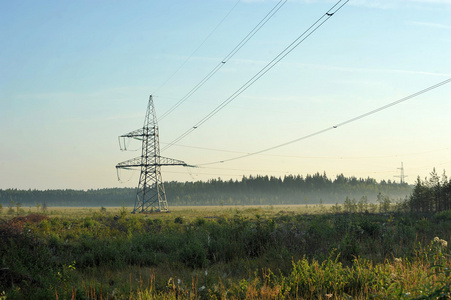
(402, 176)
(151, 195)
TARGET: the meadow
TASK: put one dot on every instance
(225, 252)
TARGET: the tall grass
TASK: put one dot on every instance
(231, 255)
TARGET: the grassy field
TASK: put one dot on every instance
(188, 212)
(224, 252)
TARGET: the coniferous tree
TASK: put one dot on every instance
(431, 195)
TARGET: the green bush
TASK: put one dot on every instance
(193, 254)
(310, 255)
(443, 215)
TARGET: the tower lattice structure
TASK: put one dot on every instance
(151, 195)
(402, 176)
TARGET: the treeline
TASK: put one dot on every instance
(431, 195)
(68, 197)
(291, 189)
(252, 190)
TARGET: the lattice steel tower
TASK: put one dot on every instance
(402, 176)
(151, 195)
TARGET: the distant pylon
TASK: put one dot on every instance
(402, 176)
(151, 195)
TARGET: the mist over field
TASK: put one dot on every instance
(259, 190)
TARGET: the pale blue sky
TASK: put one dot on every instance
(77, 74)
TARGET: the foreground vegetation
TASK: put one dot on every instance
(325, 252)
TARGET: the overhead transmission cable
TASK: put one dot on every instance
(338, 125)
(317, 24)
(315, 157)
(268, 16)
(197, 49)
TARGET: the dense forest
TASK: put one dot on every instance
(252, 190)
(264, 190)
(432, 194)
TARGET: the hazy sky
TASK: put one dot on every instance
(77, 74)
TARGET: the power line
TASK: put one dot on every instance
(201, 44)
(312, 157)
(279, 172)
(318, 23)
(208, 174)
(336, 126)
(268, 16)
(428, 167)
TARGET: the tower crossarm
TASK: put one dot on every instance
(134, 134)
(134, 162)
(164, 161)
(138, 162)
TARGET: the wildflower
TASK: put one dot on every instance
(441, 242)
